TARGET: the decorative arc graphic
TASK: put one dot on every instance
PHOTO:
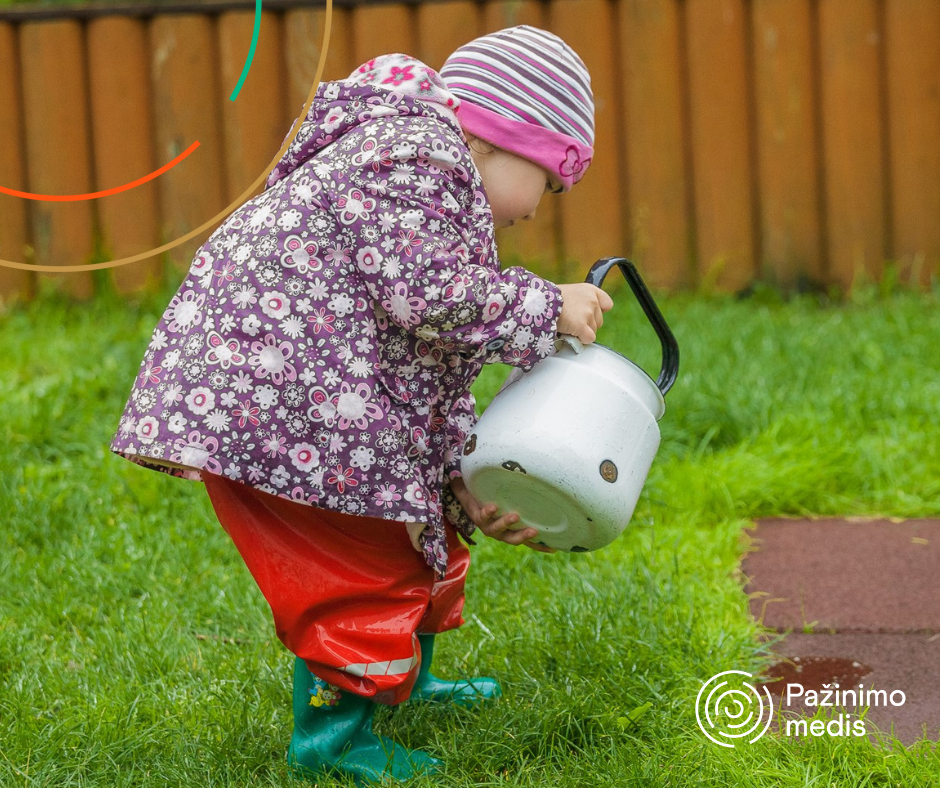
(732, 713)
(251, 52)
(106, 192)
(211, 222)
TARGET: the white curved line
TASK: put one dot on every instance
(741, 724)
(770, 715)
(698, 698)
(760, 702)
(708, 703)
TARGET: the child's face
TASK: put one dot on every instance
(514, 186)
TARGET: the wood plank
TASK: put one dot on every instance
(340, 58)
(498, 14)
(590, 214)
(787, 143)
(119, 87)
(58, 150)
(721, 144)
(853, 143)
(913, 68)
(381, 30)
(442, 27)
(253, 126)
(303, 38)
(186, 93)
(14, 284)
(654, 134)
(535, 244)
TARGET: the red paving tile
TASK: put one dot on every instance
(866, 592)
(844, 575)
(908, 663)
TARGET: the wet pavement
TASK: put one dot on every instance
(861, 602)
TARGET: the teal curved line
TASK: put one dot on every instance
(251, 52)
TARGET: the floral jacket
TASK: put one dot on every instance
(324, 342)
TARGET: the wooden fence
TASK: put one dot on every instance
(782, 140)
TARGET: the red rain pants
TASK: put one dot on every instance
(348, 593)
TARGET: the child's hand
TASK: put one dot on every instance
(499, 528)
(582, 312)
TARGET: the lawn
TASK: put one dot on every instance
(135, 649)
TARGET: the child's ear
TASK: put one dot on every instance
(480, 146)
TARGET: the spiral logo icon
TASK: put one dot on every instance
(729, 709)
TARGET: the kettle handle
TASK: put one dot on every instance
(670, 365)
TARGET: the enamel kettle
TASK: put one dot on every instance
(568, 445)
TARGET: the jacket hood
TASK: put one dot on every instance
(384, 86)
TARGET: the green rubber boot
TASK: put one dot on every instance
(333, 732)
(429, 687)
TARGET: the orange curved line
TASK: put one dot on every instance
(106, 192)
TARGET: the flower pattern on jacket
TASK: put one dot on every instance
(324, 342)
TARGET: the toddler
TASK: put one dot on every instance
(314, 368)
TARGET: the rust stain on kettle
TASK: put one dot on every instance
(471, 444)
(608, 471)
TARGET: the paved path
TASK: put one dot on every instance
(861, 599)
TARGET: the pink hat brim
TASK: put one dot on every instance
(565, 157)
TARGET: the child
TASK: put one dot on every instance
(314, 368)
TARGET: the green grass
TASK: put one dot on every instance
(136, 651)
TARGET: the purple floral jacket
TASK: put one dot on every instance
(323, 344)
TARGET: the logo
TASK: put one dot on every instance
(729, 709)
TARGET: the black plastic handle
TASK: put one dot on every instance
(670, 367)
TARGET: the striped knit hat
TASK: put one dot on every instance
(525, 90)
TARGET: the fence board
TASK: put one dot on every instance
(13, 283)
(442, 27)
(913, 67)
(58, 149)
(253, 124)
(787, 144)
(656, 177)
(721, 145)
(590, 213)
(303, 37)
(382, 30)
(119, 88)
(535, 244)
(186, 108)
(498, 14)
(844, 130)
(852, 138)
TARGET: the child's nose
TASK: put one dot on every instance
(529, 217)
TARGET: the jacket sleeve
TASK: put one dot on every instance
(460, 421)
(432, 269)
